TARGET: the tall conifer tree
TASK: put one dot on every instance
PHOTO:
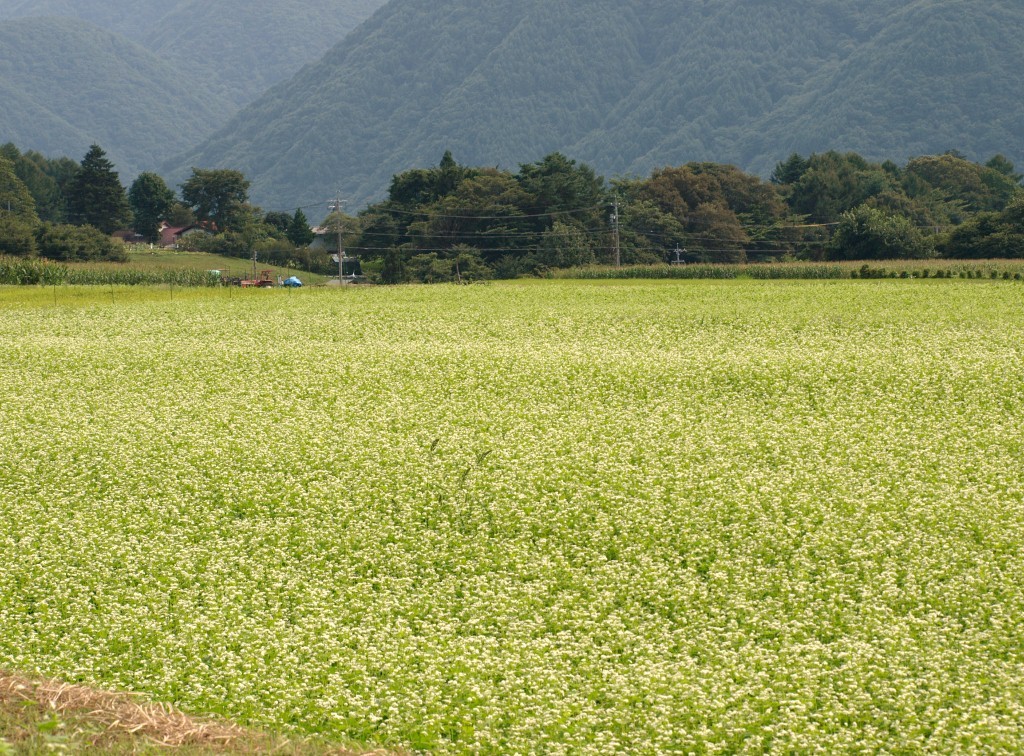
(299, 233)
(96, 197)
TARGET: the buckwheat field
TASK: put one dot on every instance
(547, 517)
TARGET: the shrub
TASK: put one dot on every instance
(16, 237)
(462, 265)
(867, 233)
(78, 244)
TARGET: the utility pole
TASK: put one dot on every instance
(336, 207)
(615, 233)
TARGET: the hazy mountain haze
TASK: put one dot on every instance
(630, 86)
(345, 93)
(192, 64)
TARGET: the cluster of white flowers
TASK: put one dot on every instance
(555, 517)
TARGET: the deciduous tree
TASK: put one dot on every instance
(217, 195)
(150, 200)
(278, 221)
(866, 233)
(16, 201)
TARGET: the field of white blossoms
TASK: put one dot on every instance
(559, 517)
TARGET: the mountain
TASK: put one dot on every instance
(236, 48)
(632, 85)
(66, 84)
(246, 46)
(128, 17)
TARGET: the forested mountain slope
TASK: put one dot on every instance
(128, 17)
(66, 84)
(246, 46)
(236, 48)
(937, 75)
(632, 85)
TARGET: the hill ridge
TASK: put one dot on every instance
(624, 87)
(76, 84)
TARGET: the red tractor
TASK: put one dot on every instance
(263, 280)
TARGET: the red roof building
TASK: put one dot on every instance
(171, 235)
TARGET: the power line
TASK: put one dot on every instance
(552, 214)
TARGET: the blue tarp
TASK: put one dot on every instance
(293, 281)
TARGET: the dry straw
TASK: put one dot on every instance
(121, 715)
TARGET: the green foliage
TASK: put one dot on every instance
(169, 72)
(45, 179)
(19, 271)
(565, 245)
(708, 271)
(17, 237)
(341, 231)
(229, 244)
(128, 276)
(392, 270)
(95, 195)
(484, 210)
(247, 46)
(557, 184)
(267, 248)
(298, 231)
(150, 200)
(790, 170)
(16, 202)
(988, 235)
(978, 188)
(217, 195)
(463, 264)
(278, 221)
(706, 209)
(646, 230)
(833, 183)
(48, 179)
(68, 243)
(1001, 164)
(508, 220)
(180, 215)
(554, 214)
(866, 233)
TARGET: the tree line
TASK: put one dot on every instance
(63, 210)
(457, 222)
(439, 223)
